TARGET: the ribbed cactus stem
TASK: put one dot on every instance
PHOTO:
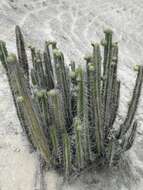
(33, 54)
(78, 142)
(110, 83)
(72, 65)
(11, 63)
(22, 57)
(129, 138)
(80, 96)
(90, 87)
(34, 77)
(36, 130)
(97, 98)
(67, 155)
(134, 101)
(86, 123)
(28, 112)
(34, 121)
(63, 85)
(35, 125)
(91, 104)
(39, 70)
(114, 103)
(55, 145)
(42, 101)
(106, 66)
(55, 102)
(58, 120)
(107, 50)
(3, 54)
(108, 102)
(48, 67)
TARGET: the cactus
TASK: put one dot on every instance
(69, 112)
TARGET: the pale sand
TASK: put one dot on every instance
(73, 24)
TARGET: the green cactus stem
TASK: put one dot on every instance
(63, 85)
(78, 142)
(48, 67)
(22, 56)
(133, 104)
(67, 155)
(97, 99)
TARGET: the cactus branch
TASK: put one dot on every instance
(22, 57)
(133, 104)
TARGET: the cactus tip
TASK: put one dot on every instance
(95, 44)
(41, 93)
(136, 67)
(50, 42)
(108, 31)
(57, 53)
(20, 99)
(2, 43)
(91, 67)
(88, 58)
(11, 58)
(72, 74)
(52, 92)
(115, 44)
(103, 42)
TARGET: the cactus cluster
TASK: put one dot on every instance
(68, 112)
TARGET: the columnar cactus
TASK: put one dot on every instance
(69, 112)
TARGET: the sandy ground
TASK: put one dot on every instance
(73, 24)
